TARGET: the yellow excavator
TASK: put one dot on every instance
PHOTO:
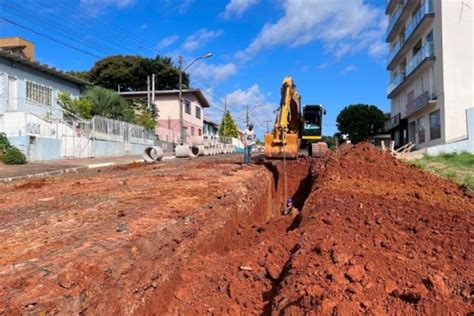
(295, 128)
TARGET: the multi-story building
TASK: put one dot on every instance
(168, 121)
(430, 65)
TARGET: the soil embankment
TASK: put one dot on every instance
(375, 236)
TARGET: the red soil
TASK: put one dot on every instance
(375, 236)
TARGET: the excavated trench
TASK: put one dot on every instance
(264, 205)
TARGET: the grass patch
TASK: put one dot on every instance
(458, 167)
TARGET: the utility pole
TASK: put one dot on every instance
(247, 116)
(153, 90)
(148, 91)
(225, 105)
(118, 88)
(267, 121)
(180, 97)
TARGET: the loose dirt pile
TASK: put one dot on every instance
(375, 236)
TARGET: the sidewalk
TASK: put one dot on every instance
(53, 167)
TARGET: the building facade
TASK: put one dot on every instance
(35, 122)
(430, 66)
(210, 128)
(168, 122)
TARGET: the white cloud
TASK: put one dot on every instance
(238, 7)
(184, 6)
(260, 109)
(93, 7)
(342, 26)
(167, 41)
(204, 71)
(200, 38)
(349, 69)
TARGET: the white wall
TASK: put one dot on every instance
(458, 57)
(22, 74)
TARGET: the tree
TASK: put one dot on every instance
(82, 75)
(360, 121)
(108, 103)
(130, 72)
(81, 106)
(228, 128)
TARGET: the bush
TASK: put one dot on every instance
(4, 143)
(13, 156)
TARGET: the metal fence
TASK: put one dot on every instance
(113, 130)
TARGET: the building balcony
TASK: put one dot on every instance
(398, 18)
(392, 122)
(391, 5)
(396, 81)
(420, 103)
(394, 19)
(427, 51)
(395, 50)
(424, 58)
(425, 10)
(421, 21)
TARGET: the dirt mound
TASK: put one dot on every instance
(375, 236)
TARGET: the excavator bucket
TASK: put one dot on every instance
(278, 150)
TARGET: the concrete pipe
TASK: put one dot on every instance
(206, 150)
(182, 151)
(198, 140)
(152, 154)
(197, 150)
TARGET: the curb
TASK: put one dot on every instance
(72, 170)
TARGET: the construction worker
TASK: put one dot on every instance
(289, 208)
(249, 141)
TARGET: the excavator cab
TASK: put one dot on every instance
(311, 130)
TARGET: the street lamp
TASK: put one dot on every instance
(181, 70)
(247, 118)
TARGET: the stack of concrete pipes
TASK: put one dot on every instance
(204, 146)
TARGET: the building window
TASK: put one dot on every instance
(185, 134)
(199, 132)
(38, 93)
(417, 48)
(435, 125)
(198, 112)
(430, 37)
(187, 106)
(192, 130)
(421, 130)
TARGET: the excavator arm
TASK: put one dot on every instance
(284, 141)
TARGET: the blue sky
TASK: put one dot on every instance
(334, 49)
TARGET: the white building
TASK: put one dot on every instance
(430, 65)
(35, 123)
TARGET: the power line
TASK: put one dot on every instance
(51, 38)
(116, 33)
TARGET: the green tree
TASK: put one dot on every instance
(83, 75)
(81, 106)
(330, 140)
(108, 103)
(228, 128)
(130, 72)
(360, 121)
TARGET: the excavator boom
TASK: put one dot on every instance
(284, 141)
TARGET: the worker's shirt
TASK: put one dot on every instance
(249, 137)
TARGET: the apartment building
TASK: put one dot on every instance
(430, 65)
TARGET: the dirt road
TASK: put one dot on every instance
(205, 237)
